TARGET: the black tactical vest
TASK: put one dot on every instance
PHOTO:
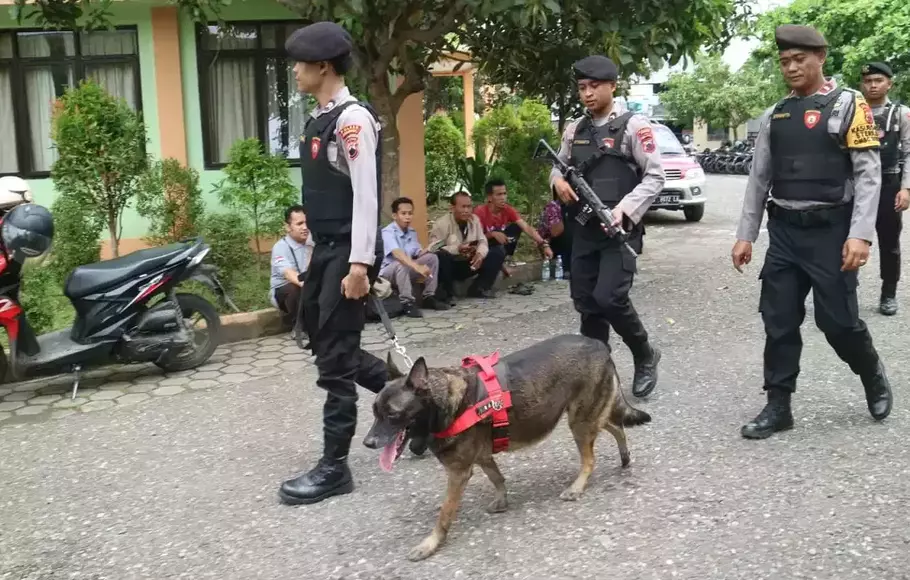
(888, 122)
(327, 193)
(596, 153)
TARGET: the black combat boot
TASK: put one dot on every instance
(776, 416)
(878, 393)
(888, 301)
(645, 372)
(331, 476)
(419, 444)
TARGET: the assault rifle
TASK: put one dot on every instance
(592, 204)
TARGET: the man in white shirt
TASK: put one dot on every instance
(290, 257)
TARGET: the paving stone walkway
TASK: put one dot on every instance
(106, 388)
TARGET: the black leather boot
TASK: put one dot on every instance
(888, 302)
(776, 416)
(419, 444)
(645, 373)
(878, 393)
(330, 477)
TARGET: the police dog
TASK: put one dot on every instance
(569, 374)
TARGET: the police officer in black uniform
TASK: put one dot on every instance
(893, 122)
(339, 157)
(617, 153)
(817, 155)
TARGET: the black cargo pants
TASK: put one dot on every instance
(888, 226)
(602, 274)
(334, 324)
(805, 252)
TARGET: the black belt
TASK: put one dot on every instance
(331, 239)
(811, 218)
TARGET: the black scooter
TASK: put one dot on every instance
(118, 316)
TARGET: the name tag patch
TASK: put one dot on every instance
(778, 116)
(581, 142)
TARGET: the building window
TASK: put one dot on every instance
(247, 89)
(717, 133)
(37, 66)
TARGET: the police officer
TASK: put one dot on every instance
(617, 153)
(893, 122)
(339, 158)
(817, 154)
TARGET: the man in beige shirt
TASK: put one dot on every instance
(465, 252)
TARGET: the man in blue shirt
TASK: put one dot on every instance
(405, 261)
(290, 256)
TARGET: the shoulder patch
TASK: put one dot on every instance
(862, 132)
(645, 136)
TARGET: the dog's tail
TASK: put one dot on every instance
(623, 413)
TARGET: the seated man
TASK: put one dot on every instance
(556, 228)
(290, 257)
(405, 261)
(502, 225)
(465, 252)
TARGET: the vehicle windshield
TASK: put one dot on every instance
(667, 141)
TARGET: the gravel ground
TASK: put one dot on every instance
(185, 486)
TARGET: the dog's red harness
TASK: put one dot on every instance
(496, 404)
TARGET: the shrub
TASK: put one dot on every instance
(102, 161)
(77, 231)
(229, 237)
(444, 147)
(171, 200)
(40, 296)
(259, 185)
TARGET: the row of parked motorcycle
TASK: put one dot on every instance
(729, 158)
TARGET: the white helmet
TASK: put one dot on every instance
(13, 191)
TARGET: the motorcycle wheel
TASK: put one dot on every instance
(190, 304)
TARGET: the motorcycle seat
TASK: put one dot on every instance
(92, 278)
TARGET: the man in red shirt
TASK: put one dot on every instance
(502, 224)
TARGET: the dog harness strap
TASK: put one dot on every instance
(496, 404)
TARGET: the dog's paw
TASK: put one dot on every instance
(570, 494)
(498, 505)
(423, 550)
(625, 458)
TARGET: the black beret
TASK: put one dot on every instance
(318, 42)
(880, 68)
(790, 36)
(596, 67)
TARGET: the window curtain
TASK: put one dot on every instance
(9, 159)
(118, 79)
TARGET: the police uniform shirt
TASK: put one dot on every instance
(353, 152)
(903, 114)
(853, 128)
(639, 146)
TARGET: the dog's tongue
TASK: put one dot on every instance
(389, 453)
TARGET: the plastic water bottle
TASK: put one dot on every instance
(559, 267)
(545, 270)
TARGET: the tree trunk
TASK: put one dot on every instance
(385, 106)
(112, 229)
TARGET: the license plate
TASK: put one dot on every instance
(668, 199)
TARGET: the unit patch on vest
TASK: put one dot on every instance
(351, 136)
(863, 132)
(608, 142)
(314, 147)
(811, 118)
(646, 138)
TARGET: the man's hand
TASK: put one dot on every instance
(547, 252)
(465, 249)
(476, 261)
(902, 200)
(355, 285)
(618, 215)
(564, 190)
(423, 270)
(742, 254)
(499, 237)
(855, 254)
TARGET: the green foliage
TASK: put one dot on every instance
(40, 296)
(171, 201)
(536, 56)
(512, 132)
(857, 31)
(229, 237)
(102, 162)
(257, 184)
(473, 174)
(444, 148)
(76, 236)
(714, 94)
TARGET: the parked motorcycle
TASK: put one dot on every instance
(128, 309)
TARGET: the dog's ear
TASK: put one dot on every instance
(419, 375)
(392, 369)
